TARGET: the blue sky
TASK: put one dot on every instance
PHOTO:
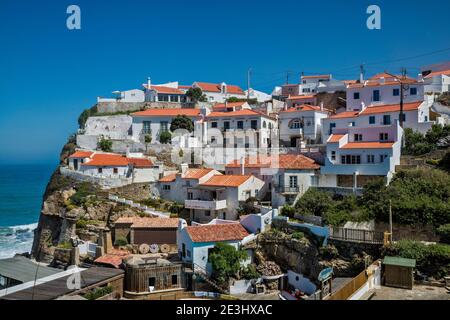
(49, 74)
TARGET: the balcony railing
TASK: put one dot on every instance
(205, 204)
(287, 189)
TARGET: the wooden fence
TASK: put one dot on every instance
(350, 288)
(356, 235)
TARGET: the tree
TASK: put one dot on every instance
(165, 137)
(225, 261)
(147, 140)
(85, 115)
(196, 95)
(105, 144)
(314, 202)
(182, 122)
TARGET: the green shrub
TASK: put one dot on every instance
(65, 245)
(288, 211)
(81, 223)
(297, 235)
(250, 272)
(105, 145)
(225, 261)
(314, 202)
(444, 163)
(329, 252)
(120, 242)
(84, 191)
(337, 218)
(98, 293)
(165, 137)
(444, 232)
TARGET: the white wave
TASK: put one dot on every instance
(16, 239)
(30, 227)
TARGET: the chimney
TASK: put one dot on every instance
(361, 76)
(321, 106)
(149, 83)
(242, 166)
(184, 167)
(382, 80)
(420, 77)
(363, 105)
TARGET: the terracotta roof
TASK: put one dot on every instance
(347, 82)
(334, 138)
(368, 145)
(148, 222)
(282, 161)
(311, 96)
(238, 113)
(165, 90)
(391, 108)
(140, 162)
(389, 80)
(113, 258)
(169, 178)
(382, 75)
(169, 112)
(195, 173)
(438, 73)
(222, 106)
(184, 87)
(215, 87)
(320, 76)
(345, 114)
(106, 159)
(303, 107)
(217, 232)
(226, 180)
(81, 154)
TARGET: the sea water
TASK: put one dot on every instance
(21, 191)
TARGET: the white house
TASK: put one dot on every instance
(163, 93)
(285, 176)
(133, 95)
(416, 116)
(258, 95)
(230, 106)
(156, 121)
(310, 84)
(383, 89)
(357, 155)
(196, 242)
(220, 196)
(301, 123)
(219, 92)
(299, 100)
(437, 82)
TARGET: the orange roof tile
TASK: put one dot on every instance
(382, 75)
(303, 107)
(215, 87)
(169, 178)
(238, 113)
(106, 159)
(114, 258)
(320, 76)
(165, 90)
(226, 181)
(170, 112)
(334, 138)
(311, 96)
(368, 145)
(81, 154)
(140, 162)
(196, 173)
(345, 114)
(148, 222)
(438, 73)
(391, 108)
(282, 161)
(217, 232)
(223, 106)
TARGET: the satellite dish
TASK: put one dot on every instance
(267, 220)
(154, 248)
(144, 248)
(165, 248)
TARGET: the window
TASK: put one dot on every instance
(314, 180)
(174, 279)
(240, 124)
(358, 137)
(332, 125)
(115, 170)
(100, 170)
(183, 250)
(173, 98)
(151, 281)
(207, 213)
(213, 140)
(293, 183)
(352, 123)
(386, 119)
(146, 127)
(164, 126)
(426, 118)
(254, 124)
(351, 159)
(356, 95)
(166, 187)
(384, 136)
(403, 117)
(382, 157)
(396, 92)
(372, 120)
(333, 155)
(213, 124)
(226, 125)
(413, 91)
(295, 124)
(370, 158)
(264, 124)
(376, 95)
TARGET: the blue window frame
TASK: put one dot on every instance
(413, 91)
(396, 92)
(372, 120)
(376, 95)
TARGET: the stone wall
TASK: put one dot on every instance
(418, 232)
(117, 106)
(135, 191)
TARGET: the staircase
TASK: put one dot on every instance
(201, 272)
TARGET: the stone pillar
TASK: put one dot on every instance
(99, 251)
(75, 256)
(107, 241)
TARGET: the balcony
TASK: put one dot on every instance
(287, 189)
(205, 204)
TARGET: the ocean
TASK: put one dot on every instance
(21, 191)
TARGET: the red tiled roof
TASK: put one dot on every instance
(170, 112)
(184, 87)
(196, 173)
(320, 76)
(238, 113)
(226, 181)
(391, 108)
(382, 75)
(368, 145)
(438, 73)
(223, 106)
(148, 222)
(106, 159)
(169, 178)
(311, 96)
(334, 138)
(389, 80)
(165, 90)
(345, 114)
(114, 258)
(217, 232)
(215, 87)
(282, 161)
(140, 162)
(303, 107)
(81, 154)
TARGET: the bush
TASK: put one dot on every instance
(250, 272)
(98, 293)
(288, 211)
(225, 261)
(81, 223)
(165, 137)
(444, 163)
(444, 233)
(182, 122)
(329, 252)
(120, 242)
(337, 218)
(297, 235)
(314, 202)
(248, 207)
(84, 191)
(105, 145)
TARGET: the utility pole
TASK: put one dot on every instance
(402, 90)
(287, 77)
(249, 73)
(390, 218)
(361, 73)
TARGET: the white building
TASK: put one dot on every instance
(133, 95)
(310, 84)
(357, 155)
(163, 93)
(230, 106)
(301, 123)
(219, 92)
(286, 176)
(258, 95)
(197, 241)
(220, 196)
(437, 82)
(299, 100)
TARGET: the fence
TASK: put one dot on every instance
(139, 206)
(351, 287)
(356, 235)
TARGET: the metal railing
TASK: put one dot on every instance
(356, 235)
